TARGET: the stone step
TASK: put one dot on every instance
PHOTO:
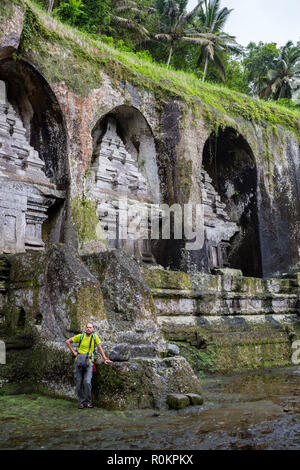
(133, 338)
(212, 322)
(125, 351)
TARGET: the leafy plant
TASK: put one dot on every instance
(70, 11)
(285, 69)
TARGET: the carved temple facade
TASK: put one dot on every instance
(26, 193)
(121, 190)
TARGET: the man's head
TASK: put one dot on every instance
(89, 328)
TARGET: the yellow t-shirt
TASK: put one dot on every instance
(85, 343)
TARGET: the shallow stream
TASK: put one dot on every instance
(253, 410)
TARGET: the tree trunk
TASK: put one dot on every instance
(205, 67)
(50, 5)
(170, 55)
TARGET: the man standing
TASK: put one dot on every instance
(83, 373)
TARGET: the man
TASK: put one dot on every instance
(87, 346)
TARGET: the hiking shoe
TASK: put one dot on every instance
(90, 405)
(81, 406)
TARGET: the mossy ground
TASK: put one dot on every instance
(241, 411)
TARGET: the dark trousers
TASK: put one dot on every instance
(83, 379)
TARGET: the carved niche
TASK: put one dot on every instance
(218, 227)
(26, 193)
(117, 176)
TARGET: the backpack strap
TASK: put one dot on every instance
(81, 338)
(94, 338)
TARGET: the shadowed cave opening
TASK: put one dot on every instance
(35, 104)
(229, 162)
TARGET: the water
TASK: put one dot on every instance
(258, 410)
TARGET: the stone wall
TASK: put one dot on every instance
(227, 322)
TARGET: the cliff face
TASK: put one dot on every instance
(64, 88)
(106, 126)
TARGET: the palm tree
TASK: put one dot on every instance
(281, 79)
(211, 21)
(133, 14)
(174, 22)
(50, 5)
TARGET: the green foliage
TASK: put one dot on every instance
(288, 103)
(32, 33)
(257, 61)
(86, 57)
(201, 360)
(96, 18)
(174, 25)
(70, 11)
(69, 62)
(236, 77)
(284, 71)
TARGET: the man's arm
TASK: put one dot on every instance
(69, 341)
(106, 361)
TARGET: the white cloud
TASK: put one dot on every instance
(262, 20)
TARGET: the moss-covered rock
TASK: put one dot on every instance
(51, 293)
(176, 401)
(221, 351)
(126, 295)
(165, 279)
(86, 221)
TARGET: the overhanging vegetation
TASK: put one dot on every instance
(65, 53)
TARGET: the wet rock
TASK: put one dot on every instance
(195, 399)
(286, 409)
(120, 353)
(173, 350)
(228, 272)
(11, 30)
(176, 401)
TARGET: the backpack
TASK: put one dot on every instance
(94, 338)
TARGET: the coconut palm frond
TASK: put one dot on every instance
(220, 66)
(211, 21)
(195, 40)
(132, 9)
(276, 84)
(130, 24)
(125, 4)
(166, 37)
(193, 13)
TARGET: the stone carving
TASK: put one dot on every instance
(219, 229)
(23, 204)
(117, 177)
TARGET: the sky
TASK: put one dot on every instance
(262, 20)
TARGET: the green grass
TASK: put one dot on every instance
(64, 52)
